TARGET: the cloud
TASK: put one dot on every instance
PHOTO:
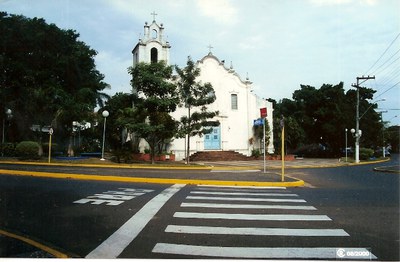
(115, 69)
(221, 11)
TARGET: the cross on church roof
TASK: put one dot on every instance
(154, 15)
(209, 48)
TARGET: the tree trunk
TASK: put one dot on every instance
(152, 150)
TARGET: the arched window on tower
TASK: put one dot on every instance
(154, 34)
(154, 55)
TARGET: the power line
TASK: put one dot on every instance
(387, 90)
(398, 35)
(388, 65)
(386, 62)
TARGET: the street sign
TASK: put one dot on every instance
(263, 112)
(258, 122)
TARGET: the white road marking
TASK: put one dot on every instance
(242, 194)
(112, 197)
(247, 199)
(247, 206)
(251, 252)
(274, 217)
(98, 202)
(256, 231)
(113, 246)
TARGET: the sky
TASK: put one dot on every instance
(278, 44)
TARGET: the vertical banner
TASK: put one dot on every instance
(263, 112)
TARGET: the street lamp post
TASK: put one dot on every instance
(105, 115)
(9, 115)
(357, 134)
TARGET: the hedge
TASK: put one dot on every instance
(27, 150)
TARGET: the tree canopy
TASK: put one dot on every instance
(195, 96)
(157, 97)
(320, 117)
(47, 75)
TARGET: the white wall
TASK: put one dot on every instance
(236, 124)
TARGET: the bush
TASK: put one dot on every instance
(366, 153)
(27, 150)
(8, 149)
(54, 149)
(255, 153)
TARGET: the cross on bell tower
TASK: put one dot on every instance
(209, 49)
(154, 15)
(153, 46)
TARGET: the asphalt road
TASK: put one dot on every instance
(347, 211)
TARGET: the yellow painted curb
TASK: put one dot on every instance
(36, 244)
(370, 162)
(150, 180)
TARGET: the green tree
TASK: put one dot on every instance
(258, 133)
(392, 138)
(47, 75)
(320, 116)
(195, 96)
(370, 121)
(157, 96)
(120, 108)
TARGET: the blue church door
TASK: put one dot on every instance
(212, 141)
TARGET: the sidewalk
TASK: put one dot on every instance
(277, 164)
(227, 173)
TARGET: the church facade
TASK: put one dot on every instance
(238, 106)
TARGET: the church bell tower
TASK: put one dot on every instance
(152, 47)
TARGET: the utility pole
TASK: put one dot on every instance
(358, 133)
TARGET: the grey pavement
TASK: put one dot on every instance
(277, 164)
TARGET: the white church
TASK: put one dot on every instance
(238, 106)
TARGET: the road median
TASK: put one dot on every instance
(91, 177)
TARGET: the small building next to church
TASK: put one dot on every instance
(238, 106)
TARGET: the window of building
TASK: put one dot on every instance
(154, 55)
(234, 102)
(154, 34)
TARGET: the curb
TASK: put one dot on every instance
(297, 183)
(387, 169)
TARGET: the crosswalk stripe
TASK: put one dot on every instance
(246, 206)
(113, 246)
(256, 231)
(252, 252)
(274, 217)
(242, 194)
(247, 199)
